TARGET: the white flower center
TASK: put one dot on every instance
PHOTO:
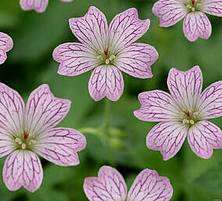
(106, 57)
(24, 141)
(193, 5)
(190, 118)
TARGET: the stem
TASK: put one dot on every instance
(107, 111)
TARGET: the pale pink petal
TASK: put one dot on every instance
(167, 137)
(185, 87)
(169, 11)
(11, 111)
(136, 60)
(37, 5)
(44, 111)
(210, 104)
(106, 81)
(156, 106)
(91, 29)
(22, 169)
(6, 44)
(108, 186)
(149, 186)
(125, 29)
(212, 7)
(197, 25)
(74, 59)
(203, 137)
(60, 146)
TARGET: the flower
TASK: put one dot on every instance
(29, 130)
(107, 50)
(183, 113)
(6, 44)
(110, 185)
(196, 23)
(37, 5)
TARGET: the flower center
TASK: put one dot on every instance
(190, 118)
(24, 141)
(193, 5)
(106, 57)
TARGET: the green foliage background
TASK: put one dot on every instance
(30, 64)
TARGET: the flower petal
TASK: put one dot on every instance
(44, 111)
(212, 7)
(106, 81)
(74, 59)
(91, 29)
(149, 186)
(210, 104)
(136, 60)
(169, 11)
(185, 87)
(156, 106)
(11, 111)
(197, 25)
(37, 5)
(22, 169)
(125, 29)
(60, 146)
(167, 137)
(6, 44)
(204, 137)
(108, 186)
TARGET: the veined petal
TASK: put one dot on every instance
(125, 29)
(185, 87)
(22, 169)
(197, 25)
(156, 106)
(149, 186)
(74, 59)
(167, 137)
(44, 111)
(60, 146)
(106, 81)
(37, 5)
(91, 29)
(136, 60)
(169, 11)
(108, 186)
(204, 137)
(6, 44)
(11, 111)
(210, 104)
(212, 7)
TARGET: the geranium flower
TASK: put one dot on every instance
(196, 23)
(37, 5)
(110, 185)
(107, 50)
(27, 131)
(6, 44)
(185, 112)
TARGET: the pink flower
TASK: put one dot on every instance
(37, 5)
(29, 130)
(107, 50)
(196, 24)
(110, 186)
(6, 44)
(183, 113)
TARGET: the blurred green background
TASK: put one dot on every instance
(30, 64)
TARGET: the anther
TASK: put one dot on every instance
(107, 61)
(112, 57)
(23, 146)
(18, 141)
(192, 122)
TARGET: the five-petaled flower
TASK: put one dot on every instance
(110, 185)
(37, 5)
(6, 44)
(183, 113)
(196, 24)
(29, 130)
(107, 50)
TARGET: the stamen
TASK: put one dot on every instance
(192, 122)
(32, 142)
(18, 141)
(185, 121)
(23, 146)
(112, 57)
(107, 61)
